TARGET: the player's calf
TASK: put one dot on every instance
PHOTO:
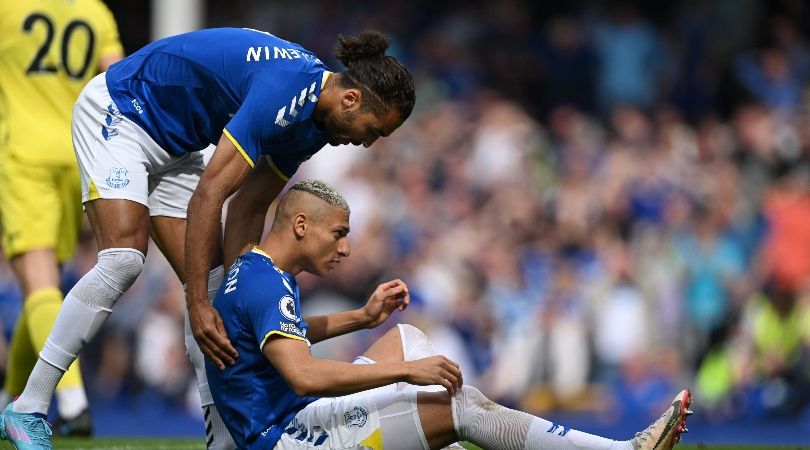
(485, 423)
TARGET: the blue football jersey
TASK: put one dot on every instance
(256, 301)
(259, 90)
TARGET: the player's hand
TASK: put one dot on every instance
(387, 298)
(209, 331)
(435, 370)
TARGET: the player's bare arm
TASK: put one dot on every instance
(244, 221)
(387, 298)
(310, 376)
(224, 174)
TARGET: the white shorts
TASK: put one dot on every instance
(384, 417)
(118, 160)
(366, 420)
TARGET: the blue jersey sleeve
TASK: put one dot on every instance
(251, 125)
(275, 313)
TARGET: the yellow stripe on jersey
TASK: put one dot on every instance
(238, 147)
(261, 252)
(291, 336)
(374, 440)
(279, 172)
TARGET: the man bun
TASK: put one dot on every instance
(383, 80)
(368, 44)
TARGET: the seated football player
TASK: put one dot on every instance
(399, 395)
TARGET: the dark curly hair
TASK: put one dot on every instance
(383, 80)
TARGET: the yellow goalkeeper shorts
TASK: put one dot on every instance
(40, 207)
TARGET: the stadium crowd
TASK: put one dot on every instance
(589, 213)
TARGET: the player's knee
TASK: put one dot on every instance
(469, 406)
(415, 343)
(480, 420)
(408, 330)
(119, 267)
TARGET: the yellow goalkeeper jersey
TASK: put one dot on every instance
(49, 49)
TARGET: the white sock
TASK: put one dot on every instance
(36, 398)
(71, 402)
(84, 311)
(485, 423)
(217, 436)
(546, 435)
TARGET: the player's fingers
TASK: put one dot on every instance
(222, 338)
(404, 301)
(459, 377)
(453, 379)
(394, 291)
(394, 285)
(221, 347)
(451, 366)
(449, 386)
(206, 350)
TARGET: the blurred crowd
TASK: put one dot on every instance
(593, 205)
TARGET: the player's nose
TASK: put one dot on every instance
(343, 248)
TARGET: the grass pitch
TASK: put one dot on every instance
(197, 444)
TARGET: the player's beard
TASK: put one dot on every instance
(338, 125)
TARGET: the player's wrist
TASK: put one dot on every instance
(363, 318)
(405, 371)
(195, 301)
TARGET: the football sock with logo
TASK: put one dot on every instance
(547, 435)
(84, 311)
(489, 425)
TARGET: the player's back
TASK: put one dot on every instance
(216, 72)
(49, 49)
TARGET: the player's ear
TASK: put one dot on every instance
(351, 99)
(300, 223)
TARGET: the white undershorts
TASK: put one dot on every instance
(119, 160)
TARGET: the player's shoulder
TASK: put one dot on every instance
(258, 277)
(264, 50)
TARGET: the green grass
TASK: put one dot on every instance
(197, 444)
